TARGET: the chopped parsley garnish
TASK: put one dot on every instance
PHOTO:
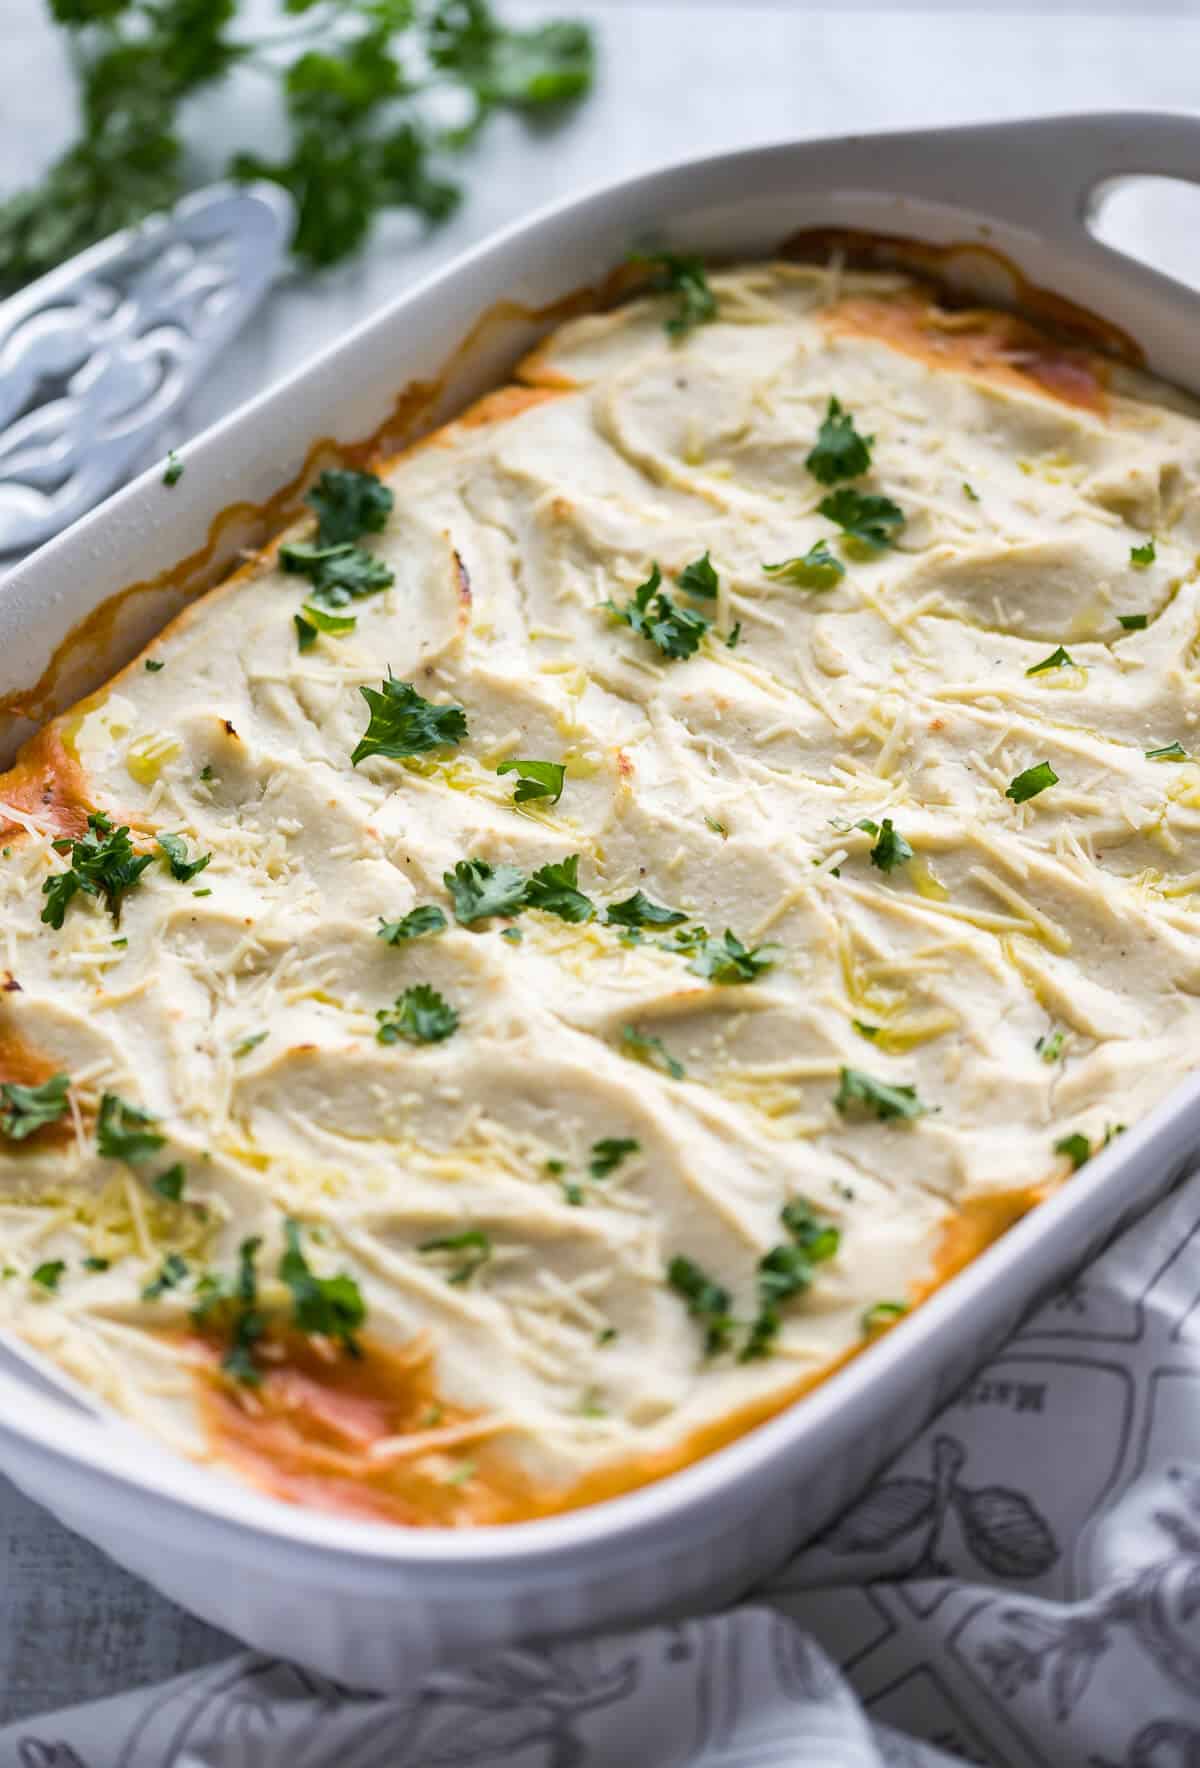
(175, 852)
(170, 1184)
(207, 775)
(638, 911)
(1049, 1047)
(417, 924)
(244, 1045)
(970, 492)
(173, 471)
(718, 828)
(1172, 752)
(862, 1094)
(96, 1264)
(313, 619)
(734, 637)
(1058, 659)
(419, 1015)
(609, 1152)
(1142, 556)
(480, 890)
(403, 723)
(49, 1274)
(153, 665)
(231, 1304)
(864, 1030)
(868, 519)
(348, 503)
(339, 575)
(676, 631)
(839, 452)
(699, 578)
(724, 960)
(513, 935)
(538, 779)
(103, 863)
(475, 1242)
(329, 1307)
(787, 1271)
(26, 1109)
(815, 569)
(171, 1274)
(891, 849)
(554, 889)
(1133, 622)
(1076, 1147)
(124, 1132)
(684, 278)
(706, 1301)
(1031, 782)
(883, 1313)
(650, 1050)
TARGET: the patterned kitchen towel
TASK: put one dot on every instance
(1021, 1589)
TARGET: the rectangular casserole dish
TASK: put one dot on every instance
(369, 1604)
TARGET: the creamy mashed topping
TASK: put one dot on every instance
(990, 982)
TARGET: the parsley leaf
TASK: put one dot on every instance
(638, 911)
(231, 1305)
(869, 520)
(244, 1045)
(329, 1307)
(123, 1131)
(1172, 752)
(650, 1050)
(699, 578)
(883, 1313)
(969, 492)
(49, 1274)
(1133, 622)
(787, 1271)
(538, 779)
(527, 69)
(1142, 556)
(103, 863)
(339, 575)
(683, 277)
(554, 889)
(173, 472)
(480, 890)
(403, 723)
(609, 1152)
(475, 1242)
(891, 849)
(1031, 782)
(153, 665)
(419, 1015)
(1076, 1147)
(676, 631)
(1049, 1046)
(348, 503)
(735, 635)
(174, 849)
(706, 1301)
(840, 452)
(860, 1093)
(1058, 659)
(170, 1184)
(26, 1109)
(815, 569)
(171, 1274)
(313, 619)
(726, 960)
(417, 924)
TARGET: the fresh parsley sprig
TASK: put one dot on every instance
(677, 632)
(869, 520)
(685, 279)
(360, 136)
(103, 863)
(535, 779)
(862, 1094)
(817, 569)
(420, 1016)
(403, 722)
(839, 451)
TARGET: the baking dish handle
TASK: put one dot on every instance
(1049, 174)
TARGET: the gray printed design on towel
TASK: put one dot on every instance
(1021, 1589)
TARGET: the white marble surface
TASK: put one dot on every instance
(675, 78)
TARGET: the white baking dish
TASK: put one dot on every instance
(370, 1604)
